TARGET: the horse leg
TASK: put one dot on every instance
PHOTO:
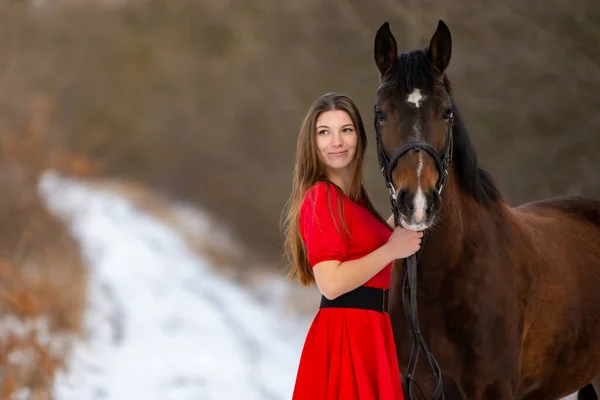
(477, 390)
(424, 385)
(590, 391)
(451, 390)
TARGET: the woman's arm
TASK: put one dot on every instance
(335, 278)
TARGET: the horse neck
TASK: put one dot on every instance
(461, 221)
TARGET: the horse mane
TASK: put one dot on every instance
(472, 178)
(413, 70)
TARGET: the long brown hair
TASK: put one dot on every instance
(309, 169)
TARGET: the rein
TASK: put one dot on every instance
(409, 274)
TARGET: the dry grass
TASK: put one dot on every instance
(42, 279)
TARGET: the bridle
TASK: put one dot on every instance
(409, 275)
(387, 165)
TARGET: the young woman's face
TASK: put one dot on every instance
(336, 141)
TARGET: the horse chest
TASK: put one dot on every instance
(457, 310)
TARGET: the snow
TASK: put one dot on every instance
(160, 324)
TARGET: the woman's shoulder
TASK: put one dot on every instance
(320, 224)
(324, 199)
(321, 187)
(322, 191)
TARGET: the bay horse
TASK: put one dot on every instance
(508, 297)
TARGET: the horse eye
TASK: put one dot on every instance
(380, 115)
(446, 114)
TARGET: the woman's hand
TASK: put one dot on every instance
(403, 243)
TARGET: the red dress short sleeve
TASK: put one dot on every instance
(321, 226)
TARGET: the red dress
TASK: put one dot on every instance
(349, 354)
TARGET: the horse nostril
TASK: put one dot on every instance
(403, 200)
(435, 200)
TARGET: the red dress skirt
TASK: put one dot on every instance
(349, 353)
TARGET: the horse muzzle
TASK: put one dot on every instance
(418, 209)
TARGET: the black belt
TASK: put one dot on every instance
(363, 297)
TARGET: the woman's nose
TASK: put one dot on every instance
(336, 139)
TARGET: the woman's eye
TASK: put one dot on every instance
(322, 132)
(346, 130)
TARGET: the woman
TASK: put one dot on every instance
(336, 239)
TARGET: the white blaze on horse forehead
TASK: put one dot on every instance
(415, 97)
(417, 130)
(419, 201)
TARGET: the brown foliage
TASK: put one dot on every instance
(42, 282)
(204, 99)
(42, 288)
(31, 150)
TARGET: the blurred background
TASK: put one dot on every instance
(200, 102)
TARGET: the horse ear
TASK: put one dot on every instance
(440, 47)
(385, 50)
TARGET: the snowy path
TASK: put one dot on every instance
(160, 324)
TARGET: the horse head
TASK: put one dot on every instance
(414, 122)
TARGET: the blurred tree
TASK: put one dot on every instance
(204, 99)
